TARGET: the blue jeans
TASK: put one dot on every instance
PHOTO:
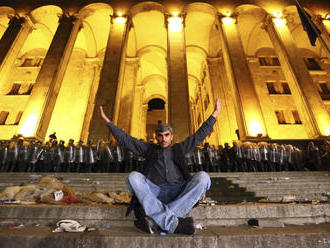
(165, 203)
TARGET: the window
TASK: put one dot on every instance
(28, 62)
(21, 89)
(25, 89)
(278, 89)
(18, 117)
(33, 62)
(269, 61)
(324, 89)
(286, 89)
(312, 64)
(271, 88)
(14, 89)
(28, 92)
(296, 117)
(280, 116)
(3, 117)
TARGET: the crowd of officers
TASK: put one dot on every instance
(19, 155)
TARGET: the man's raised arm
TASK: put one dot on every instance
(202, 132)
(124, 139)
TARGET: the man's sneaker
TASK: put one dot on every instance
(147, 225)
(185, 226)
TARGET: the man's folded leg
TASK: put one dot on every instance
(195, 188)
(146, 193)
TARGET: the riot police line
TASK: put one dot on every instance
(19, 155)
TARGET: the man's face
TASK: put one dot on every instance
(164, 138)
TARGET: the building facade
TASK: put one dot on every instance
(163, 61)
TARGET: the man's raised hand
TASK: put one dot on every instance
(103, 116)
(217, 108)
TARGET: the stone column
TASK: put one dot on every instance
(10, 45)
(109, 80)
(201, 100)
(127, 94)
(248, 111)
(144, 121)
(95, 64)
(37, 114)
(315, 116)
(178, 94)
(137, 113)
(226, 122)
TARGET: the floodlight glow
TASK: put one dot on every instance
(228, 20)
(29, 126)
(120, 20)
(255, 128)
(279, 22)
(175, 24)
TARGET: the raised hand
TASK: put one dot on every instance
(217, 108)
(103, 116)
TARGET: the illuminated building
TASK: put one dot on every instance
(59, 61)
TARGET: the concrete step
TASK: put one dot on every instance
(217, 215)
(307, 236)
(226, 187)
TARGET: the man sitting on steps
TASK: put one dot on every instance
(165, 189)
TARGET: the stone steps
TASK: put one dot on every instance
(217, 215)
(226, 187)
(306, 224)
(308, 236)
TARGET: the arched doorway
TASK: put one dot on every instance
(156, 113)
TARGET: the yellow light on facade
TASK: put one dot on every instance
(175, 24)
(29, 126)
(120, 20)
(228, 20)
(326, 22)
(277, 14)
(120, 14)
(175, 13)
(255, 128)
(327, 131)
(323, 121)
(279, 22)
(228, 14)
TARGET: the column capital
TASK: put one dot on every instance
(135, 61)
(16, 20)
(145, 107)
(66, 18)
(119, 19)
(232, 19)
(271, 21)
(182, 16)
(214, 59)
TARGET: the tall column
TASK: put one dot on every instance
(309, 102)
(226, 124)
(178, 94)
(248, 111)
(37, 114)
(110, 79)
(144, 121)
(138, 131)
(95, 64)
(10, 45)
(127, 94)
